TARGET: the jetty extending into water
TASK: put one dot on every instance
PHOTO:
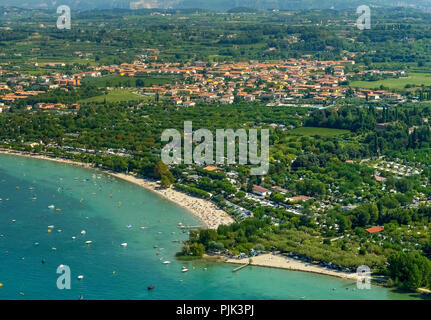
(190, 227)
(241, 267)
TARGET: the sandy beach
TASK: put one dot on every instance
(282, 262)
(207, 212)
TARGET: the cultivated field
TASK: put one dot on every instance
(414, 79)
(315, 131)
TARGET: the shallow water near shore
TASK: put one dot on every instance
(112, 212)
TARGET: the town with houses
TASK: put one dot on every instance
(276, 84)
(316, 84)
(319, 83)
(346, 182)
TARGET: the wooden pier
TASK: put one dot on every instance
(240, 267)
(189, 227)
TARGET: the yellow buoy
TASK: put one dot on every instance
(58, 210)
(49, 230)
(1, 284)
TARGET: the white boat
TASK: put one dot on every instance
(51, 206)
(83, 232)
(185, 269)
(88, 242)
(124, 244)
(166, 262)
(80, 277)
(50, 227)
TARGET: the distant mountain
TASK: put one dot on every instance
(74, 4)
(298, 4)
(219, 5)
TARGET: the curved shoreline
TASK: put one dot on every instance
(189, 203)
(212, 220)
(205, 211)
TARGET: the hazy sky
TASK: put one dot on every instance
(210, 4)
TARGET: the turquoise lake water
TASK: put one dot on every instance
(112, 212)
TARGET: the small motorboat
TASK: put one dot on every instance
(83, 232)
(88, 242)
(80, 277)
(166, 262)
(184, 269)
(51, 206)
(124, 244)
(151, 287)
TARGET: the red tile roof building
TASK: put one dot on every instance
(374, 229)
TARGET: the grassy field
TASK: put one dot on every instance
(313, 131)
(121, 81)
(415, 79)
(117, 95)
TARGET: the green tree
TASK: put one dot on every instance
(410, 270)
(161, 171)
